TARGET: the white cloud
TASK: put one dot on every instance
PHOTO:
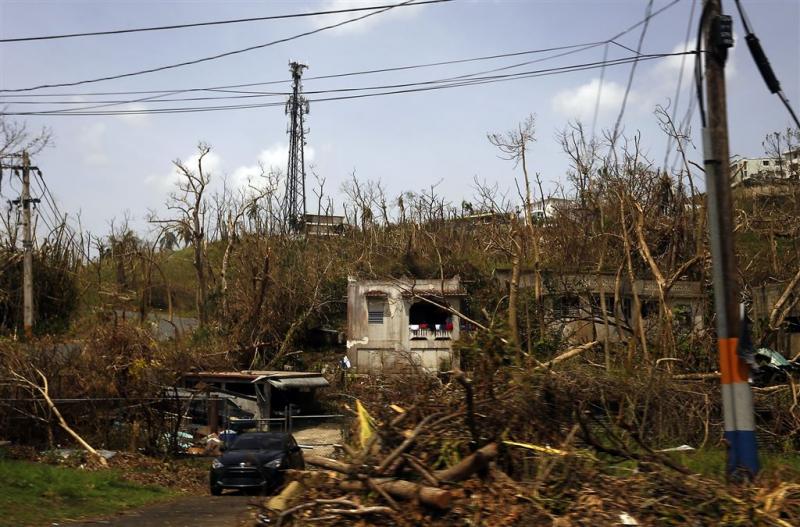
(134, 119)
(399, 13)
(579, 102)
(275, 158)
(92, 141)
(212, 163)
(663, 77)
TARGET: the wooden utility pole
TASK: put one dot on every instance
(737, 398)
(27, 247)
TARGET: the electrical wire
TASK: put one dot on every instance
(49, 203)
(211, 23)
(255, 94)
(572, 48)
(599, 91)
(212, 57)
(413, 87)
(698, 71)
(762, 62)
(11, 92)
(677, 98)
(60, 220)
(648, 11)
(311, 78)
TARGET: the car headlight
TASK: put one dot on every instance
(217, 464)
(275, 463)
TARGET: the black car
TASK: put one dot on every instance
(255, 460)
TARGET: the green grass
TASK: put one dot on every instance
(38, 494)
(711, 462)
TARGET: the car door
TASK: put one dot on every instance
(296, 460)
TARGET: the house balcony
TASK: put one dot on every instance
(429, 334)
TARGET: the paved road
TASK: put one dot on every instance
(193, 511)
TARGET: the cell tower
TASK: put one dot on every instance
(294, 206)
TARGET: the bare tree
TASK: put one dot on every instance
(189, 205)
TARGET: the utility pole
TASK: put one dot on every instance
(737, 398)
(27, 247)
(294, 207)
(25, 202)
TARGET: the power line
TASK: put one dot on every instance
(648, 12)
(214, 22)
(599, 90)
(11, 92)
(698, 71)
(224, 89)
(258, 94)
(413, 87)
(319, 77)
(571, 49)
(680, 80)
(762, 62)
(212, 57)
(60, 219)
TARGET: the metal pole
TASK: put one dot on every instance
(737, 399)
(27, 246)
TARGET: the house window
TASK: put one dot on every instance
(765, 162)
(375, 312)
(568, 306)
(611, 308)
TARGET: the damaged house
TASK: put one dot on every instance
(574, 304)
(786, 339)
(398, 324)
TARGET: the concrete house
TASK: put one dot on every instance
(397, 325)
(787, 339)
(574, 306)
(766, 170)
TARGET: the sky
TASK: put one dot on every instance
(105, 167)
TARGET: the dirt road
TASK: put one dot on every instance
(192, 511)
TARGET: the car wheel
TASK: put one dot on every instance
(216, 490)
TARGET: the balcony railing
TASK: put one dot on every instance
(427, 334)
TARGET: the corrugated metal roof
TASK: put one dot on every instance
(250, 375)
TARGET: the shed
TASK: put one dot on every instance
(265, 393)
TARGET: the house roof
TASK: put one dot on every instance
(258, 376)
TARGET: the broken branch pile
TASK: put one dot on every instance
(426, 455)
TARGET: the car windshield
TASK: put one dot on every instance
(258, 442)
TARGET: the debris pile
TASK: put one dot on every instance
(453, 454)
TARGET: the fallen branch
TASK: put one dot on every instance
(466, 383)
(469, 465)
(696, 376)
(406, 490)
(361, 511)
(281, 502)
(405, 444)
(44, 392)
(331, 464)
(568, 354)
(421, 470)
